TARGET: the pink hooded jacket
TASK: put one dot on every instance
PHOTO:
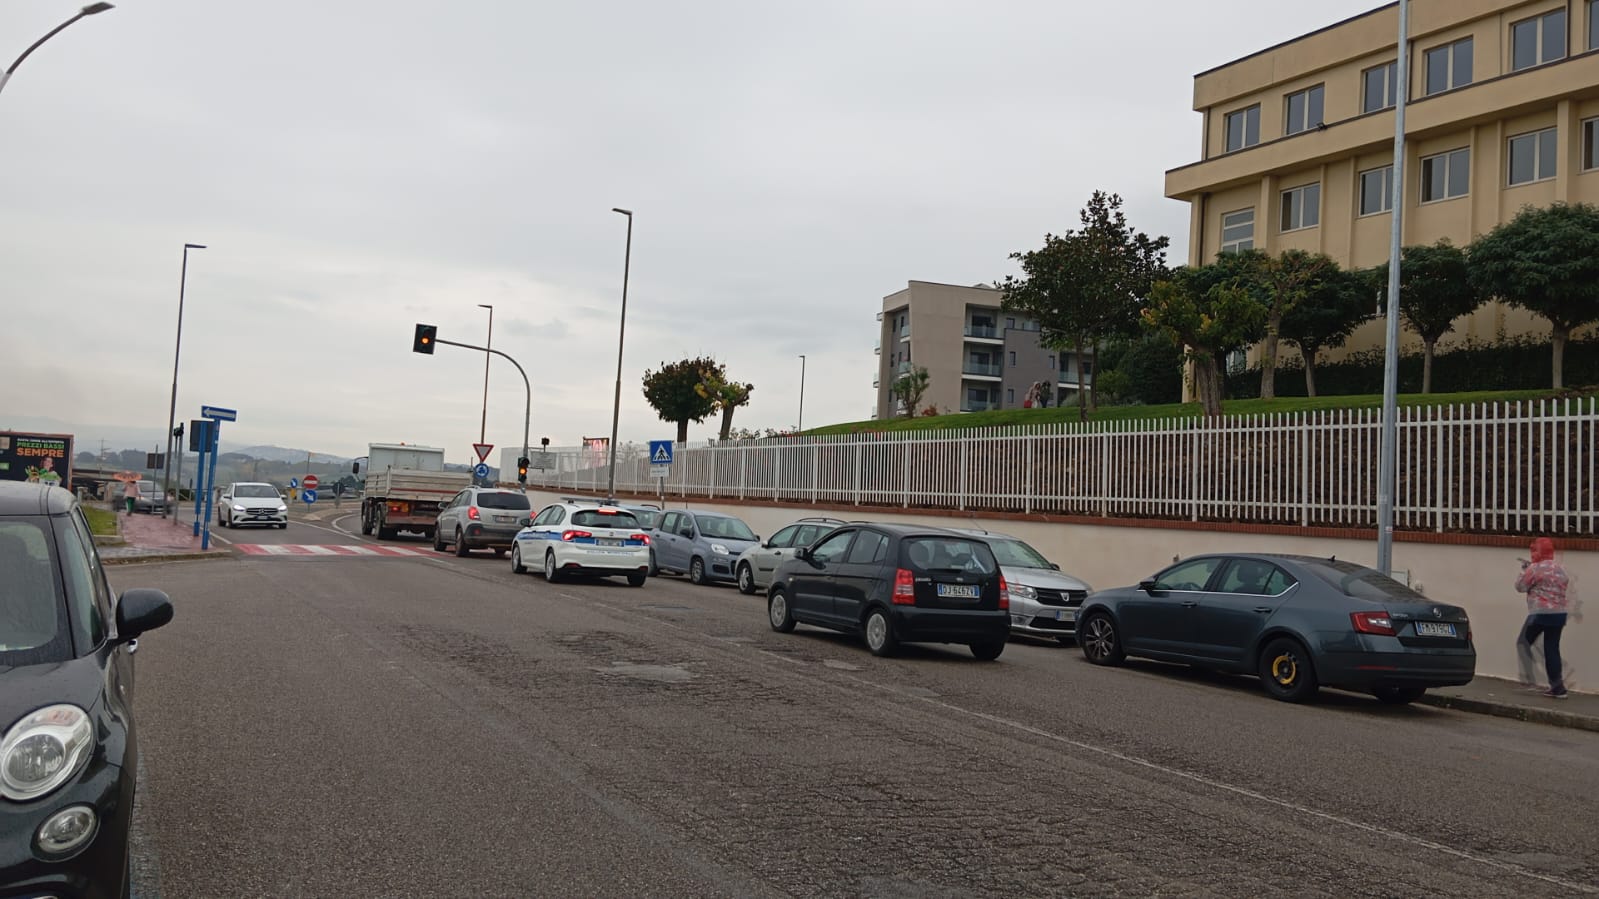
(1544, 581)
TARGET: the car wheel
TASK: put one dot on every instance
(551, 572)
(460, 545)
(654, 568)
(516, 561)
(880, 633)
(366, 525)
(1101, 644)
(988, 651)
(746, 579)
(1398, 695)
(696, 571)
(1286, 671)
(778, 613)
(637, 578)
(438, 542)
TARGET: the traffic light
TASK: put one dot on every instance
(425, 336)
(544, 442)
(178, 431)
(521, 469)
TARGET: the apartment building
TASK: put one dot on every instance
(1296, 147)
(977, 356)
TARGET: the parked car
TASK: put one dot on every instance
(150, 500)
(481, 518)
(755, 565)
(1298, 622)
(703, 545)
(578, 538)
(1044, 602)
(648, 516)
(249, 502)
(896, 584)
(69, 747)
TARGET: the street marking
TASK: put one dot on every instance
(324, 551)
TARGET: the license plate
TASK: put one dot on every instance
(958, 591)
(607, 541)
(1066, 615)
(1434, 629)
(503, 519)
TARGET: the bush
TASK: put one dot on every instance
(1148, 371)
(1515, 363)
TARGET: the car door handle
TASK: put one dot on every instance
(1263, 609)
(1190, 603)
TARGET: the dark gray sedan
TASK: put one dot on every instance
(1299, 622)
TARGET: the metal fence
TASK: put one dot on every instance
(1508, 468)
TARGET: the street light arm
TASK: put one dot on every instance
(527, 420)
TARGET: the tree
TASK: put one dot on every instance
(729, 395)
(1084, 286)
(673, 392)
(1285, 281)
(1546, 261)
(1435, 289)
(1207, 315)
(1336, 304)
(909, 388)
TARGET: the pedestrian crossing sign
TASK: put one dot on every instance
(660, 452)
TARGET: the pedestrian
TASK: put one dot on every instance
(130, 494)
(1544, 581)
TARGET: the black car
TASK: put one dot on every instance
(1299, 622)
(68, 753)
(895, 584)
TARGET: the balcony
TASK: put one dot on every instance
(904, 332)
(981, 369)
(877, 348)
(983, 332)
(876, 382)
(978, 407)
(904, 367)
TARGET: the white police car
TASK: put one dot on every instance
(584, 539)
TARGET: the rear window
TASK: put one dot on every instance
(515, 501)
(1362, 582)
(33, 626)
(594, 518)
(928, 554)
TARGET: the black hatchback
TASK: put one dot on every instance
(895, 584)
(68, 753)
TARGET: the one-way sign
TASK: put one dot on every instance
(218, 413)
(660, 452)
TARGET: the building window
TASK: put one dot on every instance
(1237, 231)
(1010, 324)
(1304, 110)
(1590, 142)
(1380, 87)
(1593, 24)
(1012, 358)
(1010, 396)
(1052, 362)
(1377, 190)
(1532, 156)
(1301, 207)
(1449, 66)
(1446, 176)
(1538, 40)
(1243, 128)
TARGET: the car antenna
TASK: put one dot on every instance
(1174, 559)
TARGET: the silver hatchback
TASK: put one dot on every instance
(481, 518)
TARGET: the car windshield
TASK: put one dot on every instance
(1016, 554)
(724, 527)
(1362, 582)
(515, 501)
(33, 624)
(258, 491)
(604, 518)
(954, 554)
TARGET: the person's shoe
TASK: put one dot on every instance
(1552, 694)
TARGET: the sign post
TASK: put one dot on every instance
(200, 442)
(309, 493)
(217, 415)
(660, 463)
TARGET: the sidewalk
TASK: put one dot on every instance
(1506, 699)
(151, 538)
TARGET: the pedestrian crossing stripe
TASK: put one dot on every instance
(329, 550)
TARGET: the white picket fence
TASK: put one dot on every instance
(1508, 468)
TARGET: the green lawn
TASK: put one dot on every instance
(101, 522)
(1008, 417)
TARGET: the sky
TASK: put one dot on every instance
(355, 167)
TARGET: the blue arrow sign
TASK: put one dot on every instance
(309, 496)
(480, 470)
(660, 452)
(294, 482)
(218, 413)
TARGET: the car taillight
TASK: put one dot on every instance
(641, 538)
(1004, 594)
(472, 513)
(569, 536)
(904, 588)
(1379, 623)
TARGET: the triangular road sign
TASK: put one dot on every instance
(483, 450)
(662, 456)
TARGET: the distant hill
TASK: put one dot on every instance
(283, 454)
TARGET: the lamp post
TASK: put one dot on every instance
(1387, 476)
(172, 411)
(89, 10)
(483, 429)
(621, 334)
(801, 425)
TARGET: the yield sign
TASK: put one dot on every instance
(483, 450)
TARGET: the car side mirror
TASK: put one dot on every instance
(1054, 566)
(139, 610)
(355, 468)
(803, 552)
(524, 522)
(1148, 585)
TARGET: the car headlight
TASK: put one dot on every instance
(719, 548)
(43, 751)
(282, 508)
(238, 508)
(1022, 591)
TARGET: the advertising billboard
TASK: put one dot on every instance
(44, 458)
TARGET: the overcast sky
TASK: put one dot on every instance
(358, 166)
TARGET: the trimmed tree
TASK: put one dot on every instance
(1547, 262)
(1435, 289)
(729, 395)
(1285, 282)
(1207, 316)
(909, 389)
(673, 391)
(1335, 305)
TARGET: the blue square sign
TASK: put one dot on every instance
(660, 452)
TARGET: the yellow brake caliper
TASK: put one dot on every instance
(1284, 669)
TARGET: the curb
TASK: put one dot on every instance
(1535, 714)
(167, 557)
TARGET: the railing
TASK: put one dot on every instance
(1519, 468)
(981, 368)
(988, 331)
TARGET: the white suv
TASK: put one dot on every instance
(252, 503)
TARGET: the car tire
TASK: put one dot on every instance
(552, 573)
(461, 548)
(988, 651)
(1100, 639)
(654, 568)
(516, 561)
(696, 571)
(366, 526)
(1286, 671)
(746, 579)
(778, 614)
(438, 542)
(1398, 695)
(637, 578)
(879, 633)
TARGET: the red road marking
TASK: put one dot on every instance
(329, 550)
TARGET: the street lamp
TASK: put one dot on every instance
(89, 10)
(483, 429)
(1387, 476)
(172, 411)
(801, 425)
(621, 334)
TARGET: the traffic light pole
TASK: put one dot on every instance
(527, 418)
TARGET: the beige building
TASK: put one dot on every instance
(977, 356)
(1296, 148)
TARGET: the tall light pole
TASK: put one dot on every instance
(1387, 477)
(172, 411)
(483, 429)
(89, 10)
(801, 425)
(621, 334)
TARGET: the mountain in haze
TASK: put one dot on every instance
(282, 454)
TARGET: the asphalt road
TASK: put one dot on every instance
(416, 726)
